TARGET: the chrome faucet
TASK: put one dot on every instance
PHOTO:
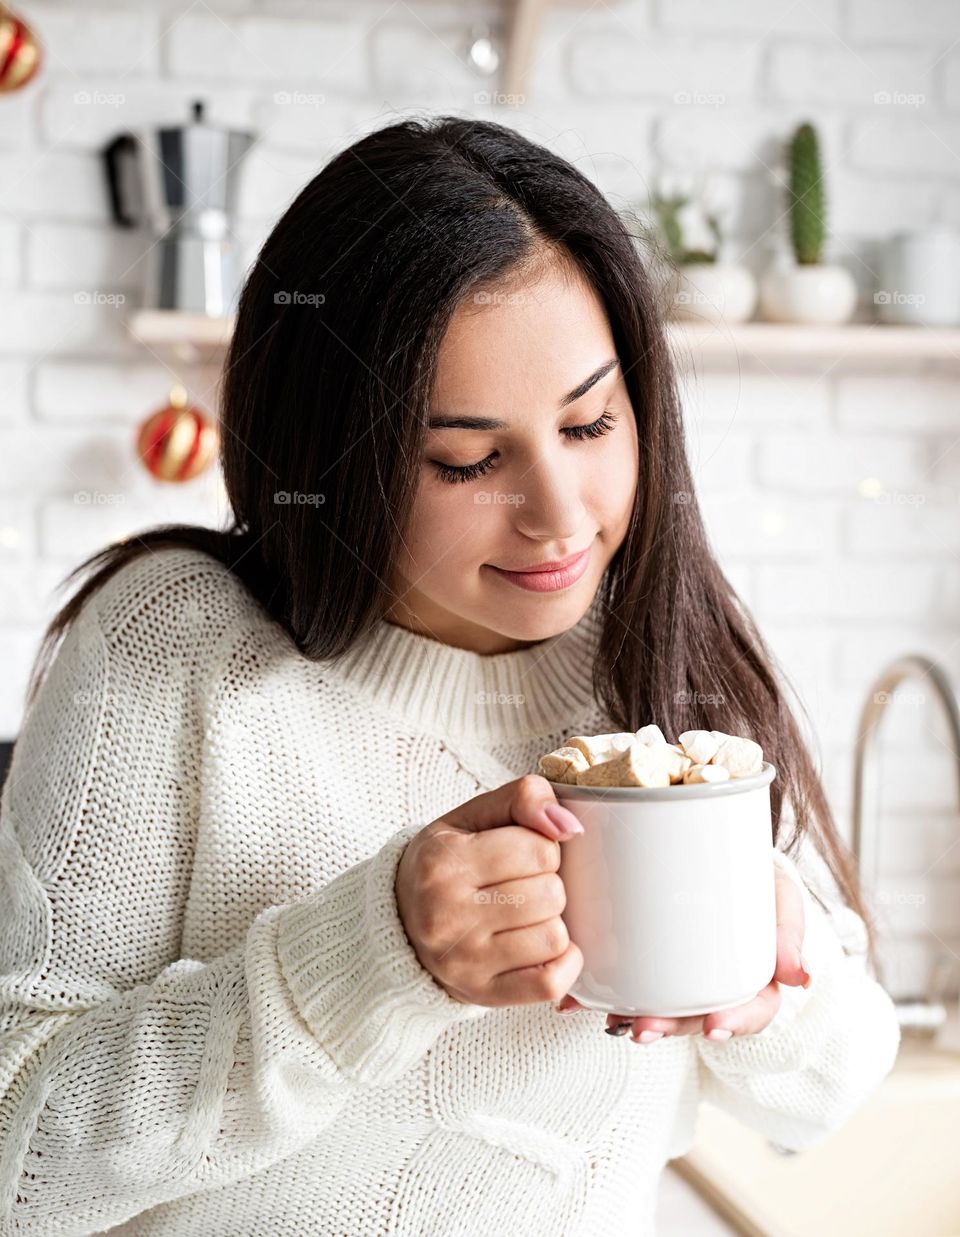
(926, 1012)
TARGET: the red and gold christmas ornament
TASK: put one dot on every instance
(19, 52)
(178, 442)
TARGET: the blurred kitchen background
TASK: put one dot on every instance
(793, 169)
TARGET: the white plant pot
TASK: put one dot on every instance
(813, 294)
(712, 292)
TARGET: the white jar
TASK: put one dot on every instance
(920, 279)
(671, 895)
(712, 292)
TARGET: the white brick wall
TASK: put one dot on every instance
(261, 49)
(786, 461)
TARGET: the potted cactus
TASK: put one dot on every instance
(700, 286)
(809, 290)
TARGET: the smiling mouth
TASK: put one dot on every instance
(558, 564)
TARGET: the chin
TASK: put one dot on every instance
(538, 616)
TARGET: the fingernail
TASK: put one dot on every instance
(647, 1037)
(565, 1009)
(719, 1033)
(621, 1028)
(565, 820)
(806, 971)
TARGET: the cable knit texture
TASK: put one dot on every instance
(211, 1019)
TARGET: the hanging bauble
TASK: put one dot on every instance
(178, 442)
(19, 52)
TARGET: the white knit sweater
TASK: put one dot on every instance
(211, 1020)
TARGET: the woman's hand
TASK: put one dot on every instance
(480, 897)
(740, 1019)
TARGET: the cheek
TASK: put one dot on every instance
(448, 528)
(611, 482)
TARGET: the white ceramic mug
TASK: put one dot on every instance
(671, 895)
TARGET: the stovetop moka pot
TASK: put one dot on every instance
(182, 182)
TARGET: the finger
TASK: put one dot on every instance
(512, 904)
(790, 928)
(490, 859)
(546, 982)
(655, 1028)
(748, 1018)
(511, 853)
(530, 946)
(527, 801)
(568, 1005)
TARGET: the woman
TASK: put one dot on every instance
(247, 983)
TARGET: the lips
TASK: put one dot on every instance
(558, 564)
(548, 577)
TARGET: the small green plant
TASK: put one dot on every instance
(805, 196)
(667, 210)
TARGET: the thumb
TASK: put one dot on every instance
(528, 801)
(790, 932)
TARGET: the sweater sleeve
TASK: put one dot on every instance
(828, 1047)
(129, 1075)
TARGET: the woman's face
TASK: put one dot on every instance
(530, 459)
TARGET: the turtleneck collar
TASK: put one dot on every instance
(458, 693)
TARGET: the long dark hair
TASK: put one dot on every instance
(326, 391)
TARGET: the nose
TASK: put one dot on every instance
(551, 509)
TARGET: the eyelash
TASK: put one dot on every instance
(470, 472)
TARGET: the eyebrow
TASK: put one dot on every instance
(489, 423)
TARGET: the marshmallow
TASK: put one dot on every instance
(645, 758)
(600, 747)
(700, 745)
(706, 773)
(678, 763)
(564, 764)
(740, 757)
(640, 765)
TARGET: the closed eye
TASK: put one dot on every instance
(470, 472)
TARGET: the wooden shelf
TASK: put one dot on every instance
(186, 337)
(774, 341)
(195, 336)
